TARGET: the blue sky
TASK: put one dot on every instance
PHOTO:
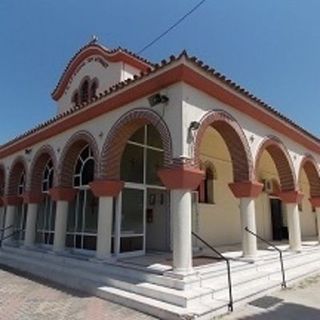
(270, 47)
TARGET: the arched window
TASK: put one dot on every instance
(46, 214)
(75, 98)
(84, 91)
(21, 211)
(83, 214)
(93, 89)
(206, 189)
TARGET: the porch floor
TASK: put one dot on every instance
(159, 262)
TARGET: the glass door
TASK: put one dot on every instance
(132, 224)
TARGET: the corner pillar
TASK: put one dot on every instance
(33, 201)
(315, 202)
(62, 196)
(181, 180)
(105, 190)
(247, 192)
(11, 203)
(291, 200)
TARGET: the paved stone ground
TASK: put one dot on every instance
(24, 297)
(300, 302)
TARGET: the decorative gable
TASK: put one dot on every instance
(93, 70)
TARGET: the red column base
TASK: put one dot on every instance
(106, 188)
(12, 200)
(291, 196)
(29, 197)
(315, 202)
(62, 194)
(246, 189)
(181, 177)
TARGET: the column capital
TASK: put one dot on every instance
(315, 202)
(246, 189)
(181, 177)
(106, 188)
(62, 193)
(30, 197)
(293, 196)
(12, 200)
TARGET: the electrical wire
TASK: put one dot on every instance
(172, 27)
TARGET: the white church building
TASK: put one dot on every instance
(145, 165)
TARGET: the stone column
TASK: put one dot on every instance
(315, 202)
(2, 213)
(291, 200)
(247, 192)
(182, 228)
(62, 196)
(181, 180)
(33, 204)
(318, 222)
(106, 191)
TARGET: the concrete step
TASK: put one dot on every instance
(151, 293)
(109, 290)
(108, 268)
(96, 274)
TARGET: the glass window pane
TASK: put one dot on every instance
(87, 172)
(78, 167)
(91, 219)
(71, 215)
(78, 242)
(89, 242)
(76, 181)
(79, 210)
(132, 164)
(153, 137)
(52, 218)
(138, 136)
(69, 240)
(132, 211)
(131, 244)
(154, 163)
(85, 153)
(50, 179)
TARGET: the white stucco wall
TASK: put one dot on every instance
(218, 223)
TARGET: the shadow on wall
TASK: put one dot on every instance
(288, 311)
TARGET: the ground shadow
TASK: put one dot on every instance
(46, 282)
(286, 311)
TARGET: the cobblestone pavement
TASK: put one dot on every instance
(23, 297)
(299, 302)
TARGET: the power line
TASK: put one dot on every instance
(172, 27)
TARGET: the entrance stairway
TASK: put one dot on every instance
(201, 296)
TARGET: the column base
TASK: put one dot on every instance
(249, 258)
(182, 275)
(295, 250)
(103, 260)
(28, 246)
(57, 252)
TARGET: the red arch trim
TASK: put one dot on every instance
(120, 133)
(311, 169)
(281, 159)
(235, 140)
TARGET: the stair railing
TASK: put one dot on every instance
(3, 237)
(220, 257)
(283, 283)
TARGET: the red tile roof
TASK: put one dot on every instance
(153, 69)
